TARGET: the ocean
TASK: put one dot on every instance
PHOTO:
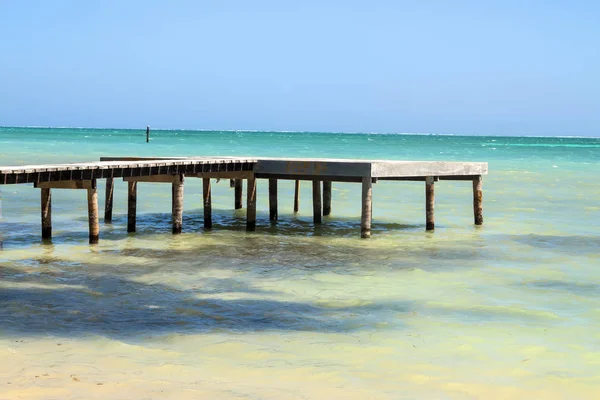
(508, 310)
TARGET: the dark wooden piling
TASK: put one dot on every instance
(366, 214)
(92, 198)
(296, 195)
(326, 197)
(317, 206)
(131, 206)
(177, 204)
(273, 199)
(46, 213)
(108, 200)
(206, 193)
(429, 203)
(478, 200)
(251, 205)
(239, 190)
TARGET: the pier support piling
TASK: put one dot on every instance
(177, 204)
(206, 193)
(251, 205)
(108, 200)
(131, 206)
(273, 199)
(239, 189)
(296, 195)
(46, 214)
(92, 198)
(317, 206)
(429, 203)
(367, 207)
(478, 200)
(326, 197)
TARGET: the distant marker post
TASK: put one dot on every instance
(147, 133)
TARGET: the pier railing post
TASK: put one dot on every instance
(251, 205)
(131, 206)
(239, 189)
(478, 200)
(92, 197)
(46, 213)
(273, 199)
(326, 197)
(177, 204)
(429, 203)
(108, 200)
(296, 195)
(367, 207)
(317, 206)
(206, 193)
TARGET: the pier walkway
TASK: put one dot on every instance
(174, 170)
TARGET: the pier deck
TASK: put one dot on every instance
(175, 170)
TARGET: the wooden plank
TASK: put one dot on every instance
(153, 179)
(366, 214)
(226, 175)
(356, 179)
(66, 185)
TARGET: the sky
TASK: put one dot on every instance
(431, 66)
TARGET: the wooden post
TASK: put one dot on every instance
(92, 197)
(108, 200)
(251, 205)
(131, 205)
(296, 196)
(177, 204)
(273, 199)
(239, 188)
(429, 203)
(478, 200)
(207, 203)
(46, 214)
(326, 197)
(317, 208)
(367, 207)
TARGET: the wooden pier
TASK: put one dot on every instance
(174, 171)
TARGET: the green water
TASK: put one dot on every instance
(507, 310)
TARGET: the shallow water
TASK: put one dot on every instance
(507, 310)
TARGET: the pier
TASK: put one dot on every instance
(176, 170)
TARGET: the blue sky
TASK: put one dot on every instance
(472, 67)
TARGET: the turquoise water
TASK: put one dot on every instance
(507, 310)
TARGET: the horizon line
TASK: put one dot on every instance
(302, 131)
